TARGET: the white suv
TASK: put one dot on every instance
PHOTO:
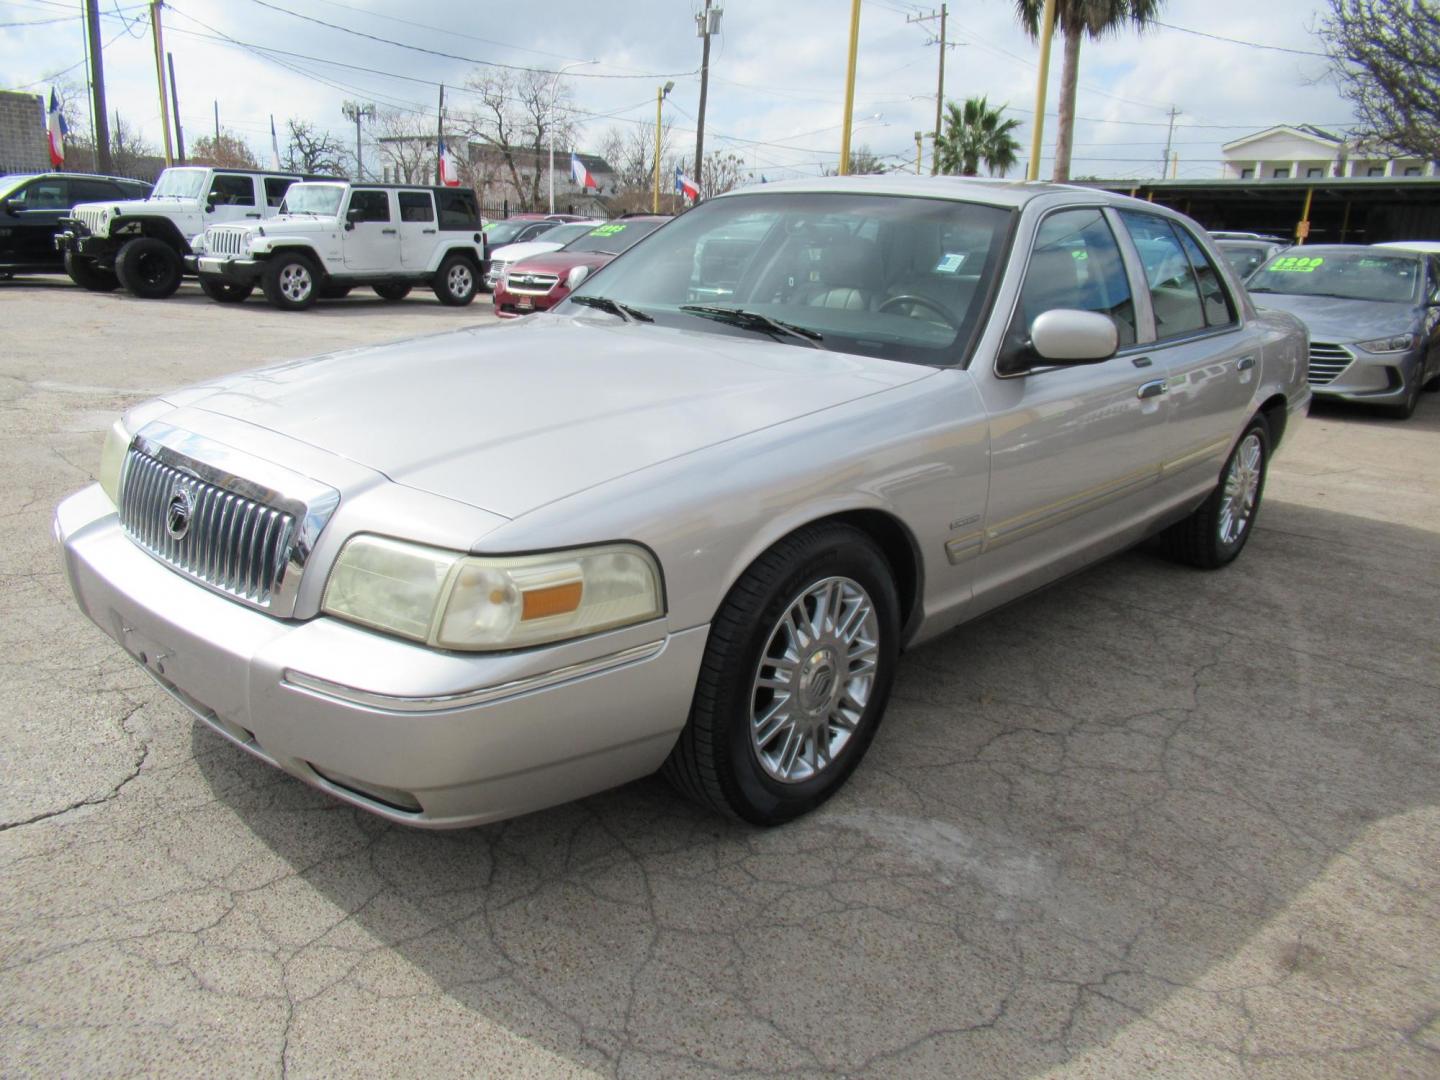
(331, 236)
(142, 243)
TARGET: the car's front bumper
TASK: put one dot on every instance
(87, 245)
(415, 735)
(235, 270)
(512, 305)
(1372, 378)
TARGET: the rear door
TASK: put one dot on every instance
(371, 240)
(417, 228)
(275, 188)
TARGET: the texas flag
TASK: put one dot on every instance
(685, 186)
(580, 174)
(56, 129)
(449, 175)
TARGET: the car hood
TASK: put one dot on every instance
(509, 418)
(1330, 318)
(558, 262)
(512, 252)
(140, 206)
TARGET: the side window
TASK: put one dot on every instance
(94, 191)
(373, 205)
(1434, 261)
(1076, 263)
(229, 190)
(1218, 309)
(416, 206)
(48, 194)
(275, 188)
(1174, 292)
(458, 209)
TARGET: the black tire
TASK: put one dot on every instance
(715, 761)
(1431, 385)
(149, 268)
(291, 281)
(87, 275)
(1406, 408)
(1202, 540)
(457, 281)
(335, 292)
(225, 292)
(392, 290)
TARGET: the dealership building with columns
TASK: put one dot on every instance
(1307, 152)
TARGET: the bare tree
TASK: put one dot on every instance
(514, 116)
(863, 162)
(228, 151)
(310, 150)
(631, 153)
(723, 171)
(130, 154)
(1386, 56)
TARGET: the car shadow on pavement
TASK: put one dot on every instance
(1148, 814)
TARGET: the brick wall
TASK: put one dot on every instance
(23, 147)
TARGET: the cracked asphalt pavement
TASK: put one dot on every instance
(1151, 821)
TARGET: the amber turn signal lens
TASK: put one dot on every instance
(554, 600)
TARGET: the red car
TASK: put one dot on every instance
(540, 283)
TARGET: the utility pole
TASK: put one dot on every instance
(158, 35)
(1047, 33)
(356, 111)
(440, 136)
(1169, 139)
(850, 87)
(942, 15)
(103, 164)
(706, 23)
(175, 102)
(217, 121)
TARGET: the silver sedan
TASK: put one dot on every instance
(688, 520)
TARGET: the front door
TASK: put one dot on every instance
(417, 228)
(27, 226)
(371, 240)
(232, 198)
(1074, 450)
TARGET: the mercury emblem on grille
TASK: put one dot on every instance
(179, 513)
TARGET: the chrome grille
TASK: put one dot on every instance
(225, 241)
(234, 544)
(531, 284)
(1327, 362)
(91, 219)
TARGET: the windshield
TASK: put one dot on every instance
(1350, 275)
(502, 232)
(613, 237)
(10, 183)
(898, 278)
(312, 199)
(179, 184)
(563, 234)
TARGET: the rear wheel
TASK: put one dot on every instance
(392, 290)
(291, 281)
(1217, 531)
(225, 292)
(149, 268)
(796, 675)
(456, 281)
(87, 275)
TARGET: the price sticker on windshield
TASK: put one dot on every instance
(1297, 264)
(607, 230)
(950, 263)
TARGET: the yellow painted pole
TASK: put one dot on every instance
(659, 101)
(155, 33)
(1302, 231)
(1047, 31)
(919, 150)
(850, 87)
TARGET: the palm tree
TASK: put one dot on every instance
(1076, 18)
(975, 133)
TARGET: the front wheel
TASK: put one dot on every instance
(1217, 531)
(456, 281)
(291, 281)
(85, 273)
(796, 674)
(1406, 408)
(392, 290)
(149, 268)
(225, 292)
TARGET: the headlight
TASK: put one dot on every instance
(1398, 343)
(197, 244)
(247, 242)
(112, 460)
(452, 601)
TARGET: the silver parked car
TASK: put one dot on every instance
(1374, 319)
(1246, 256)
(466, 577)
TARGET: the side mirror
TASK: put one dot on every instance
(353, 215)
(209, 207)
(1066, 336)
(13, 206)
(576, 277)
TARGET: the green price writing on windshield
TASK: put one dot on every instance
(1297, 264)
(607, 230)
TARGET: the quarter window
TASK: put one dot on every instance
(275, 188)
(458, 209)
(1218, 309)
(373, 205)
(1076, 264)
(416, 206)
(232, 191)
(1174, 290)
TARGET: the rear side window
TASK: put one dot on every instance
(1076, 264)
(275, 188)
(232, 190)
(373, 205)
(458, 209)
(1174, 288)
(94, 191)
(416, 206)
(1216, 301)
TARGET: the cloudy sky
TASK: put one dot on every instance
(777, 69)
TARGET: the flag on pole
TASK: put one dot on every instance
(449, 176)
(580, 174)
(685, 186)
(55, 130)
(274, 145)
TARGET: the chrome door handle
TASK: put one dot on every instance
(427, 232)
(389, 232)
(1151, 389)
(252, 215)
(1142, 361)
(1245, 363)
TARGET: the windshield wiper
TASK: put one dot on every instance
(753, 320)
(613, 307)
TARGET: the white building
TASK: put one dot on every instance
(1305, 152)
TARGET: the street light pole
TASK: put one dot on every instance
(1047, 31)
(850, 87)
(554, 92)
(660, 94)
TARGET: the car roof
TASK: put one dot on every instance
(257, 172)
(76, 176)
(1347, 249)
(996, 192)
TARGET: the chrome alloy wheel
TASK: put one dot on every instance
(296, 283)
(460, 280)
(814, 679)
(1241, 489)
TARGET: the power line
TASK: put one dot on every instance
(1237, 41)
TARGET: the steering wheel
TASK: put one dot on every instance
(921, 301)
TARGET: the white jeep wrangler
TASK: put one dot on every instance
(332, 236)
(142, 243)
